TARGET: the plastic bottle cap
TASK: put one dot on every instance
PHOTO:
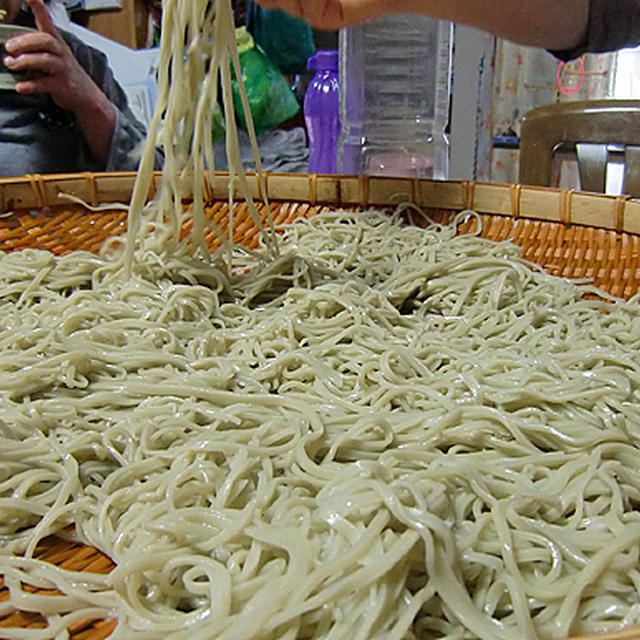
(244, 40)
(323, 60)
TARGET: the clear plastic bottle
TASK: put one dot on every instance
(395, 85)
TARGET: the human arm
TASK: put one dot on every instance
(129, 134)
(59, 74)
(552, 24)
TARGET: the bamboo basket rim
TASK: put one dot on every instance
(567, 206)
(618, 214)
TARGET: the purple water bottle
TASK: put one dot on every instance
(321, 112)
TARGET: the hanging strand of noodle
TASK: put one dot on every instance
(187, 97)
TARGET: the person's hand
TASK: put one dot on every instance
(54, 70)
(53, 67)
(331, 15)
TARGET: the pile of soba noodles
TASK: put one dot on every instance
(363, 430)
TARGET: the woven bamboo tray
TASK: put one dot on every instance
(570, 234)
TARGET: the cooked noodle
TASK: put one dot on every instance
(419, 435)
(365, 430)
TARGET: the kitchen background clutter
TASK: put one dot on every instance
(492, 85)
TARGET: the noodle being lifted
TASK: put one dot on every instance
(369, 431)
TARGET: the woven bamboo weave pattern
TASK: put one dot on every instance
(609, 258)
(607, 255)
(73, 557)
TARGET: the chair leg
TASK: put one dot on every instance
(592, 164)
(632, 171)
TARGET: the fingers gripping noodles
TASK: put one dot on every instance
(364, 430)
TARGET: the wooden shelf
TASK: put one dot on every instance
(127, 25)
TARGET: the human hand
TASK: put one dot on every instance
(55, 70)
(331, 15)
(53, 67)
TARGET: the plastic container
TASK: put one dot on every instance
(395, 86)
(322, 112)
(9, 79)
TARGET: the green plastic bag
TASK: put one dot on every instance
(271, 99)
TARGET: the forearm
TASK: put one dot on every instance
(97, 122)
(551, 24)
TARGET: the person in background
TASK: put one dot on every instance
(286, 41)
(568, 28)
(68, 113)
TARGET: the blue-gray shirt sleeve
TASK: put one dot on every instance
(613, 25)
(129, 133)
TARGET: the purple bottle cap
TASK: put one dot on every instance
(323, 60)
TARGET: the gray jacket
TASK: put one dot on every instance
(36, 136)
(613, 24)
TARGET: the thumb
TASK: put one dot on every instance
(43, 17)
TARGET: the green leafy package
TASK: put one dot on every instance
(271, 99)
